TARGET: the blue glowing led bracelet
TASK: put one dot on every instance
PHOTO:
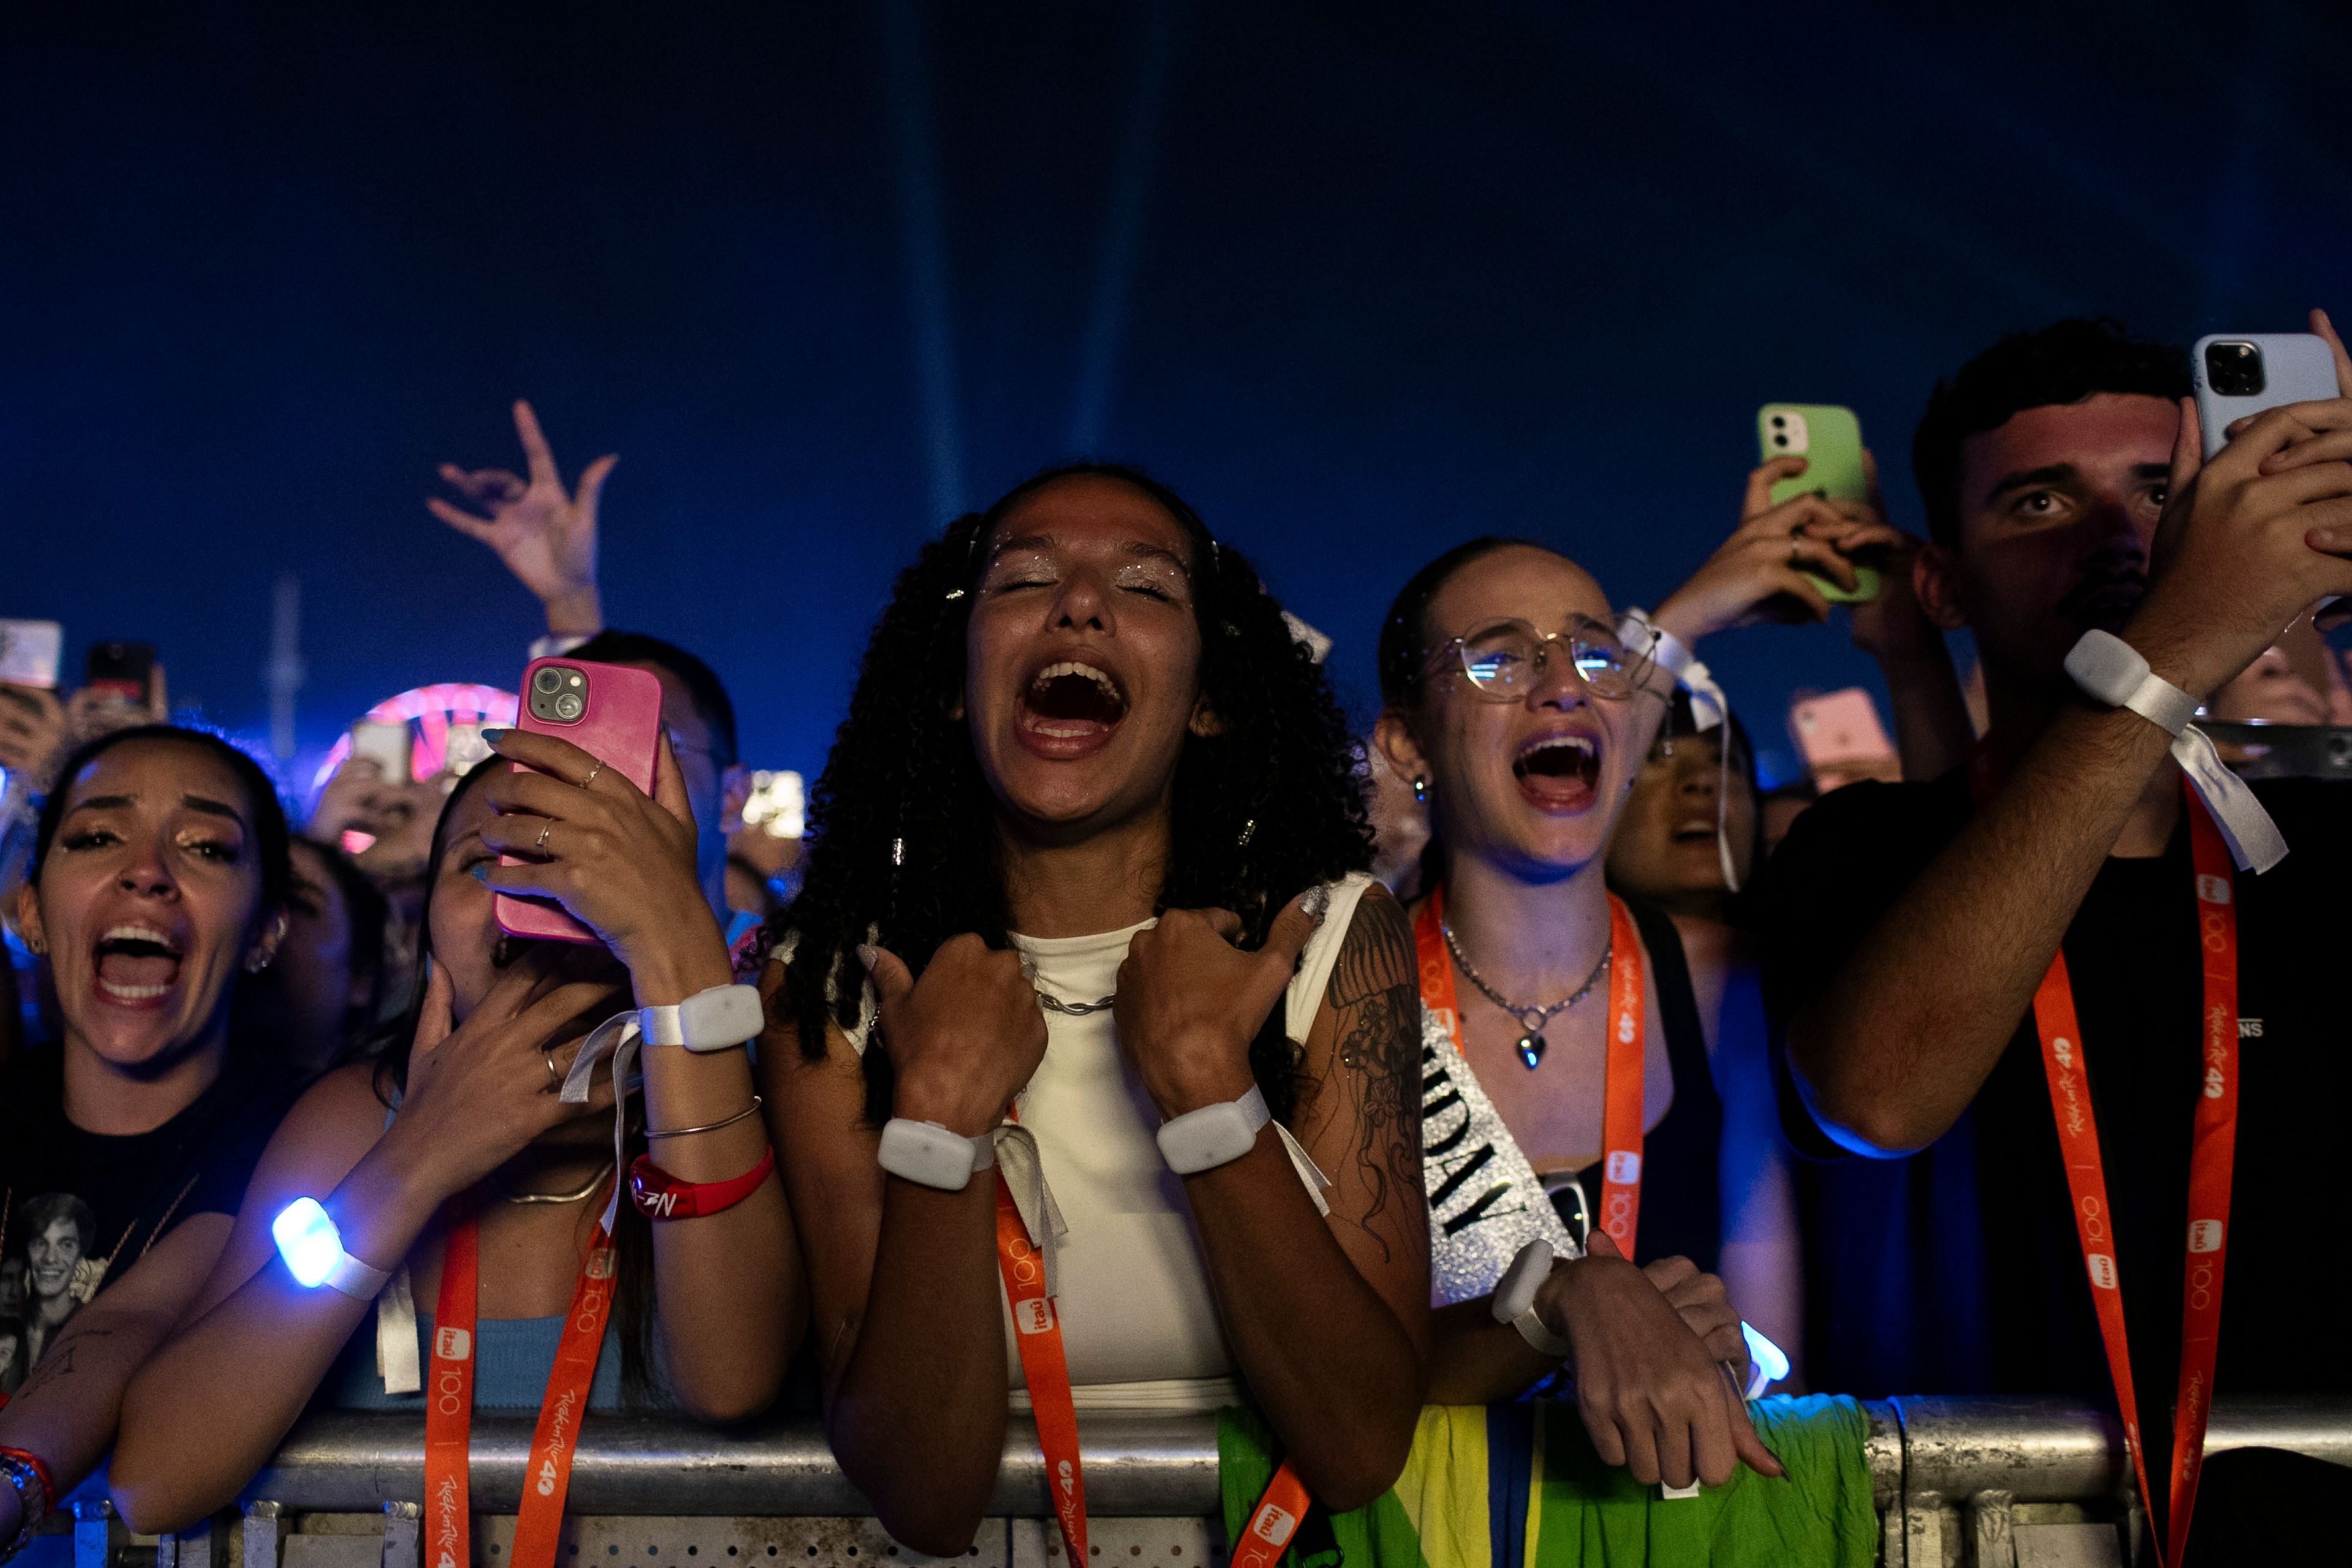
(313, 1251)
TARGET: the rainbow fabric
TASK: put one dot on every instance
(1518, 1486)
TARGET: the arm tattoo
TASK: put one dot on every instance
(59, 1360)
(1376, 1005)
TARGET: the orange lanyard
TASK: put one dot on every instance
(1620, 1112)
(449, 1403)
(2212, 1149)
(1044, 1368)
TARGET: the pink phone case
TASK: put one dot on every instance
(1839, 729)
(620, 727)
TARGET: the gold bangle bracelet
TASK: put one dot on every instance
(751, 1109)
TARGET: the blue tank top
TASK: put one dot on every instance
(511, 1358)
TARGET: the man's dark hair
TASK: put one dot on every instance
(702, 683)
(2063, 363)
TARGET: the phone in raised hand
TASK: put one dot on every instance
(1829, 437)
(28, 653)
(385, 745)
(119, 671)
(2238, 373)
(610, 711)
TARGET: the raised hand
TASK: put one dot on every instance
(618, 861)
(1648, 1389)
(480, 1092)
(2251, 540)
(1760, 572)
(1190, 1002)
(964, 1039)
(546, 537)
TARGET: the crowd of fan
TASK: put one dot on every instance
(1094, 850)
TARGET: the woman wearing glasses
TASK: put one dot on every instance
(1568, 1081)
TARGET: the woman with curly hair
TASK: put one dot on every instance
(1086, 902)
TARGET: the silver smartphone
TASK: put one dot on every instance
(385, 745)
(2239, 373)
(28, 653)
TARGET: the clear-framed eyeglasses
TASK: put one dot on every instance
(1505, 660)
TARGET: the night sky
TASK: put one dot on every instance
(1360, 281)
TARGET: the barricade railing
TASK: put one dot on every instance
(1957, 1483)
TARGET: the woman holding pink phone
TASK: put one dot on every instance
(463, 1214)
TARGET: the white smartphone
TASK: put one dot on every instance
(385, 745)
(28, 653)
(2239, 373)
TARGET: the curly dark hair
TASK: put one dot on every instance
(903, 850)
(2063, 363)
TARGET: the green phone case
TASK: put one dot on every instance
(1829, 439)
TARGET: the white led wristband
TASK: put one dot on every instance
(1214, 1135)
(2111, 670)
(713, 1020)
(1514, 1300)
(932, 1155)
(313, 1249)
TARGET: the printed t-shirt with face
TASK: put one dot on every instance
(78, 1208)
(1972, 1279)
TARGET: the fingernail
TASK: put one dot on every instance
(865, 954)
(492, 737)
(481, 872)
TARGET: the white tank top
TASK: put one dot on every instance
(1139, 1323)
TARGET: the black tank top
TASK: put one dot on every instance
(1682, 1201)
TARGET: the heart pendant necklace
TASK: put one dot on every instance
(1530, 1044)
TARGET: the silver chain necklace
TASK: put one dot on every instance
(510, 1195)
(1053, 1004)
(1530, 1044)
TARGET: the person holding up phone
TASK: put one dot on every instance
(466, 1204)
(2076, 969)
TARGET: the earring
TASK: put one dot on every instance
(40, 946)
(1421, 788)
(258, 962)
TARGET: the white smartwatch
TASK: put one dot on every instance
(313, 1249)
(934, 1156)
(2111, 670)
(1514, 1300)
(713, 1020)
(1214, 1135)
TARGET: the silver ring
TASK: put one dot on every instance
(591, 774)
(540, 847)
(555, 1082)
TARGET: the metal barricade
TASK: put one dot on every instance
(1958, 1483)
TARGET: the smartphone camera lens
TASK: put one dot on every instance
(547, 679)
(1779, 440)
(1779, 421)
(2234, 370)
(568, 707)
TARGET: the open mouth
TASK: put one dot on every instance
(1070, 708)
(137, 964)
(2104, 601)
(1559, 772)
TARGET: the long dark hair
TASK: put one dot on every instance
(633, 1242)
(269, 830)
(902, 841)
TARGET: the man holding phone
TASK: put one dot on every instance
(1911, 929)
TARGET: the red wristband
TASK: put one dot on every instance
(660, 1196)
